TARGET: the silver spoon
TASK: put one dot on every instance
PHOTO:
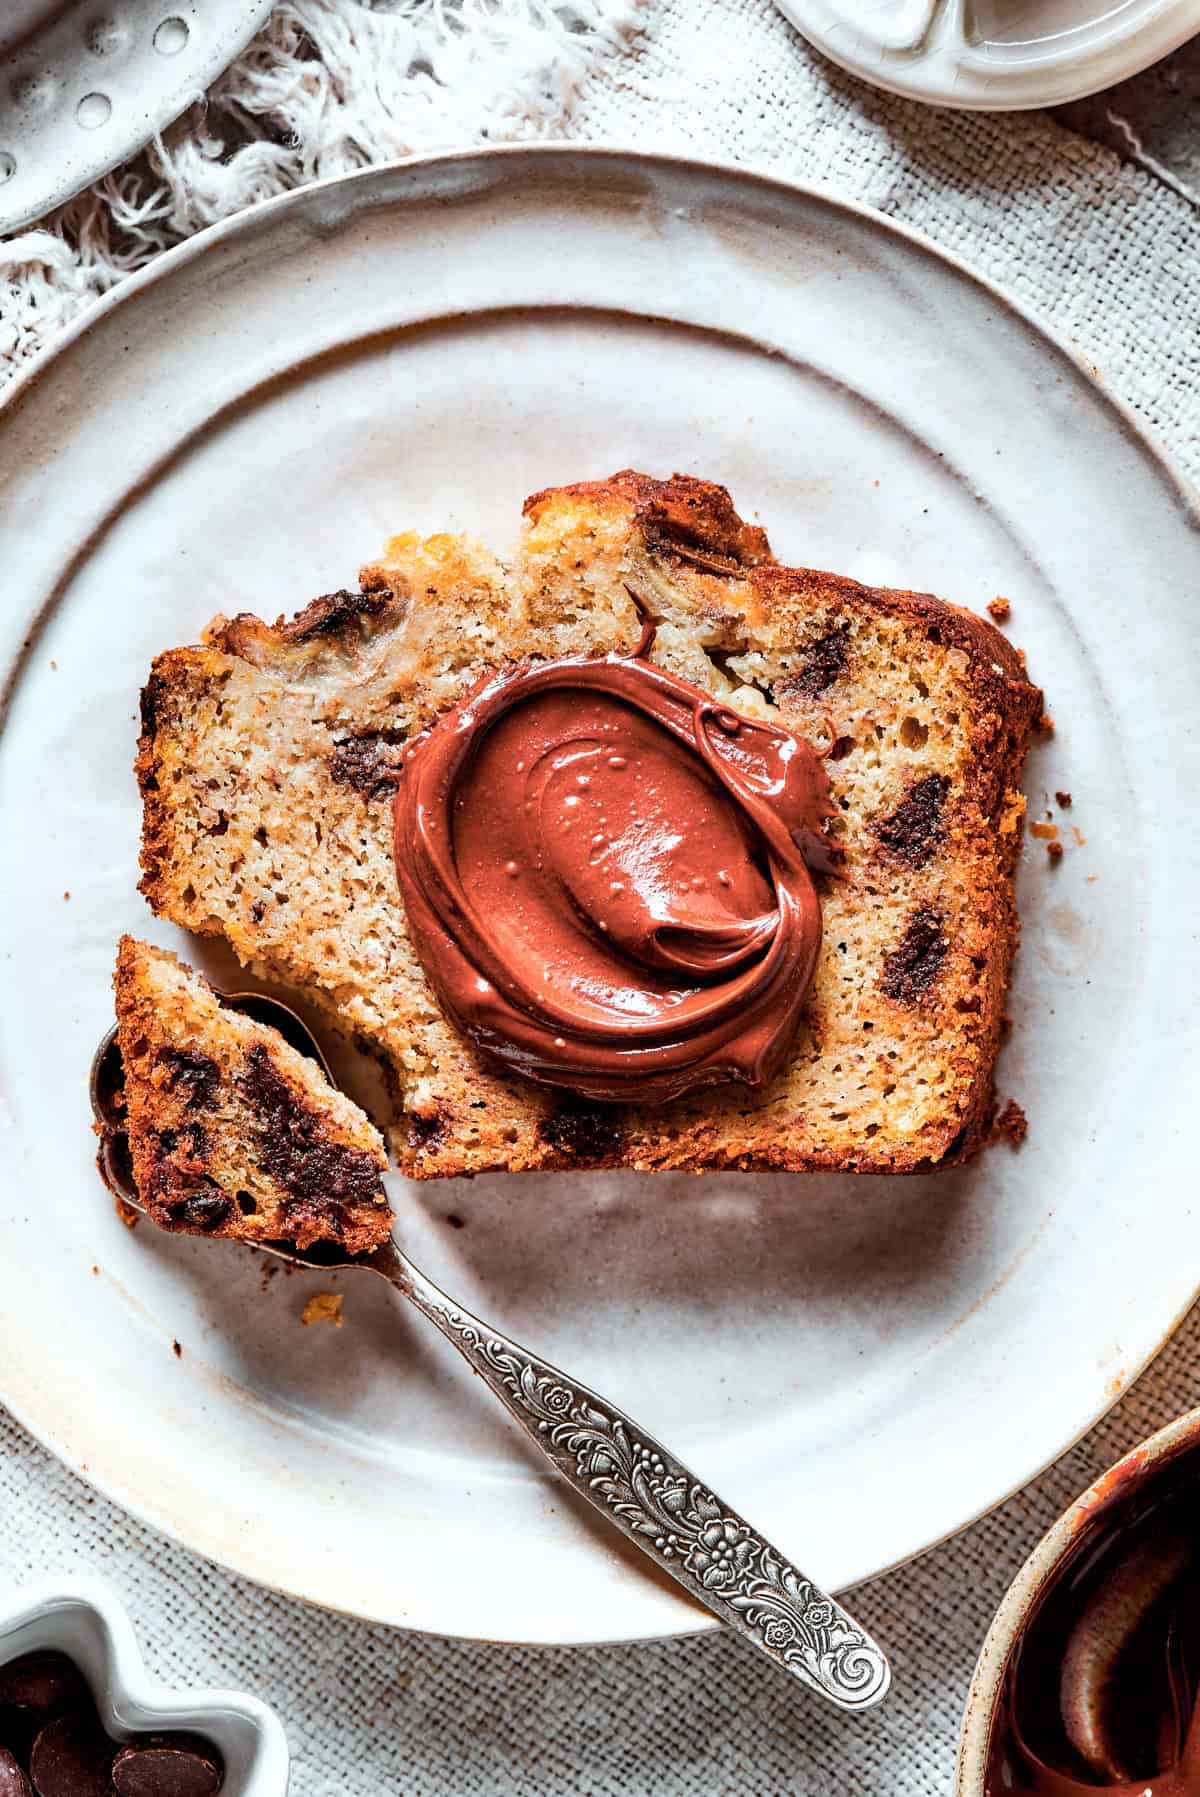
(632, 1479)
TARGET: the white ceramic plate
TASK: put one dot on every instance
(84, 87)
(995, 54)
(861, 1366)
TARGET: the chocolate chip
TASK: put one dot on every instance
(295, 1147)
(329, 613)
(915, 962)
(72, 1757)
(825, 662)
(911, 829)
(368, 764)
(41, 1685)
(195, 1077)
(167, 1766)
(13, 1782)
(203, 1211)
(152, 694)
(429, 1132)
(586, 1132)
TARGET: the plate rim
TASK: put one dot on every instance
(629, 160)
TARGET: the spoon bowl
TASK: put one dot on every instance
(106, 1089)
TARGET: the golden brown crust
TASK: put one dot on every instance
(231, 1132)
(681, 512)
(266, 772)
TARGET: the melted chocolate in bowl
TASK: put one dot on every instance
(606, 877)
(1103, 1688)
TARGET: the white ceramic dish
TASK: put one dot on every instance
(994, 54)
(84, 1619)
(861, 1366)
(83, 88)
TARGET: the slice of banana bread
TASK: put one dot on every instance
(268, 764)
(231, 1132)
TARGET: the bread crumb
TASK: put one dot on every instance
(1012, 1124)
(1011, 812)
(1091, 879)
(1047, 832)
(1063, 799)
(999, 608)
(128, 1213)
(66, 895)
(323, 1307)
(1078, 835)
(1054, 850)
(177, 1350)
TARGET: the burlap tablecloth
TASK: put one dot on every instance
(1107, 252)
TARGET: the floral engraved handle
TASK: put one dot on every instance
(662, 1507)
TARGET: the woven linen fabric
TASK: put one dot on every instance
(1111, 257)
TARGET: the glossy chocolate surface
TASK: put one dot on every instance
(606, 877)
(1103, 1689)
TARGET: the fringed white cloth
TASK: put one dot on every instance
(328, 86)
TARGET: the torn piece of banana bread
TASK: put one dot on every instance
(268, 765)
(231, 1131)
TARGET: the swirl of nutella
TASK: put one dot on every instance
(605, 876)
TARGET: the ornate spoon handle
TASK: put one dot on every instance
(662, 1507)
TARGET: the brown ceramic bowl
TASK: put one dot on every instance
(1080, 1526)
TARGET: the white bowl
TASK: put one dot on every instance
(994, 54)
(84, 1619)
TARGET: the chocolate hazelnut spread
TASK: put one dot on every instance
(606, 875)
(1103, 1690)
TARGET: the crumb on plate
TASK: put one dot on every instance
(323, 1307)
(1012, 1124)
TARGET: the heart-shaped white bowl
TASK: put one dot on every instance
(84, 1618)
